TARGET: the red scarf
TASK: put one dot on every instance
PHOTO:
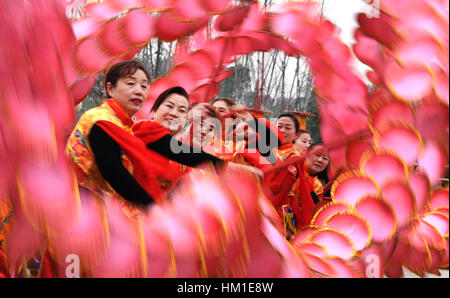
(303, 189)
(118, 109)
(148, 166)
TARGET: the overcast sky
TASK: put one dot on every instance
(343, 14)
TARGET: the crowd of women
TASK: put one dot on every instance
(139, 163)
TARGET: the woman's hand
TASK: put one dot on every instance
(241, 112)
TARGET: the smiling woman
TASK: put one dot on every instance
(94, 145)
(127, 83)
(171, 108)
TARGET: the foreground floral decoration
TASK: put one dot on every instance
(388, 145)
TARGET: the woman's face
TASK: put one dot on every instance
(130, 92)
(287, 128)
(172, 113)
(317, 160)
(203, 131)
(302, 143)
(221, 107)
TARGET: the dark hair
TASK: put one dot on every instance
(122, 70)
(227, 100)
(322, 176)
(302, 131)
(296, 123)
(162, 97)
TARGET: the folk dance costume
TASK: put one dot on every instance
(283, 184)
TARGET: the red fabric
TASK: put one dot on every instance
(48, 266)
(255, 158)
(304, 188)
(273, 128)
(149, 131)
(3, 269)
(123, 116)
(281, 184)
(148, 165)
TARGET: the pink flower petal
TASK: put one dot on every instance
(355, 150)
(204, 93)
(304, 234)
(159, 254)
(441, 85)
(432, 162)
(215, 6)
(54, 209)
(101, 11)
(401, 198)
(403, 140)
(321, 216)
(204, 64)
(336, 243)
(311, 248)
(124, 259)
(281, 24)
(432, 119)
(138, 27)
(353, 226)
(420, 186)
(437, 220)
(380, 216)
(411, 83)
(401, 253)
(318, 266)
(183, 75)
(352, 186)
(168, 29)
(384, 109)
(88, 238)
(22, 241)
(435, 263)
(439, 198)
(342, 269)
(368, 51)
(157, 5)
(88, 57)
(84, 27)
(424, 51)
(229, 20)
(264, 261)
(81, 89)
(380, 29)
(418, 262)
(430, 234)
(188, 10)
(383, 167)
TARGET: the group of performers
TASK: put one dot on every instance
(138, 163)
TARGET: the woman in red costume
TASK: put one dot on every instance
(109, 159)
(312, 183)
(260, 136)
(282, 182)
(170, 111)
(303, 142)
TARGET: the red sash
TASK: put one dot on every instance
(148, 166)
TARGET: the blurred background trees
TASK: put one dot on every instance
(270, 81)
